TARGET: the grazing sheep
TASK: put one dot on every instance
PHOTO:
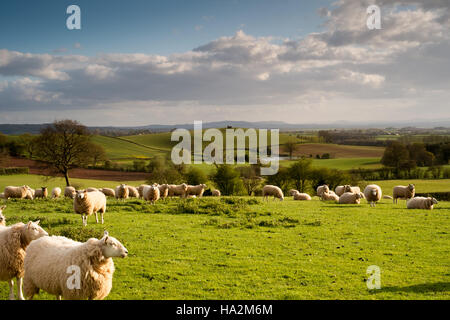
(14, 240)
(163, 191)
(178, 190)
(350, 198)
(41, 193)
(122, 192)
(387, 197)
(274, 191)
(16, 192)
(70, 192)
(403, 192)
(196, 190)
(90, 189)
(330, 196)
(87, 203)
(216, 193)
(321, 190)
(108, 192)
(302, 196)
(133, 192)
(373, 194)
(151, 193)
(56, 192)
(2, 217)
(52, 262)
(421, 203)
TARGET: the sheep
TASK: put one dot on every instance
(387, 197)
(177, 190)
(56, 192)
(269, 190)
(403, 192)
(330, 196)
(216, 193)
(339, 190)
(2, 217)
(141, 190)
(70, 192)
(321, 190)
(108, 192)
(151, 193)
(16, 192)
(196, 190)
(87, 203)
(122, 192)
(421, 203)
(133, 192)
(41, 193)
(302, 196)
(90, 189)
(51, 261)
(163, 190)
(373, 194)
(14, 240)
(350, 198)
(349, 188)
(30, 194)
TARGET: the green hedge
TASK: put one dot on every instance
(14, 170)
(440, 196)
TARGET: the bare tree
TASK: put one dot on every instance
(291, 147)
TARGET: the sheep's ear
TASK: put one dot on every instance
(37, 222)
(29, 224)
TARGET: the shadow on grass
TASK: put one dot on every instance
(418, 288)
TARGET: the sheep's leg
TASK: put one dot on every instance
(19, 289)
(102, 215)
(11, 290)
(96, 217)
(58, 297)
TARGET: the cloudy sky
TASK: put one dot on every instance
(167, 62)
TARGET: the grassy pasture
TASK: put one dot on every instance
(244, 248)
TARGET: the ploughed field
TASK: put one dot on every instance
(245, 248)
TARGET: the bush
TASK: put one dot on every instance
(195, 176)
(14, 170)
(227, 180)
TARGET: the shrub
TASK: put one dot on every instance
(14, 170)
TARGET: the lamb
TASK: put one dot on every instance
(177, 190)
(16, 192)
(14, 240)
(108, 192)
(133, 192)
(70, 192)
(196, 190)
(141, 189)
(403, 192)
(350, 198)
(330, 196)
(122, 192)
(30, 194)
(216, 193)
(339, 190)
(90, 189)
(151, 193)
(56, 192)
(41, 193)
(163, 190)
(52, 263)
(293, 191)
(302, 196)
(269, 190)
(87, 203)
(373, 194)
(321, 190)
(421, 203)
(349, 188)
(2, 217)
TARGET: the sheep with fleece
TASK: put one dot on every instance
(321, 190)
(373, 194)
(350, 198)
(50, 264)
(349, 188)
(196, 190)
(330, 196)
(340, 190)
(133, 192)
(421, 203)
(70, 192)
(141, 190)
(301, 196)
(56, 192)
(403, 192)
(151, 193)
(14, 240)
(88, 203)
(270, 190)
(163, 191)
(216, 193)
(2, 217)
(90, 189)
(178, 190)
(41, 193)
(108, 192)
(16, 192)
(122, 192)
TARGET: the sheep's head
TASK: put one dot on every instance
(184, 186)
(326, 188)
(434, 201)
(81, 195)
(411, 187)
(111, 247)
(204, 186)
(374, 192)
(34, 231)
(347, 188)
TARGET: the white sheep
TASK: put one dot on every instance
(403, 192)
(301, 196)
(88, 203)
(373, 194)
(163, 191)
(178, 190)
(2, 217)
(151, 193)
(52, 264)
(133, 192)
(330, 196)
(41, 193)
(339, 190)
(16, 192)
(90, 189)
(196, 190)
(108, 192)
(270, 190)
(14, 240)
(70, 192)
(216, 193)
(122, 192)
(141, 190)
(56, 192)
(321, 190)
(421, 203)
(30, 194)
(351, 198)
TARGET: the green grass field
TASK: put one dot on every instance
(244, 248)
